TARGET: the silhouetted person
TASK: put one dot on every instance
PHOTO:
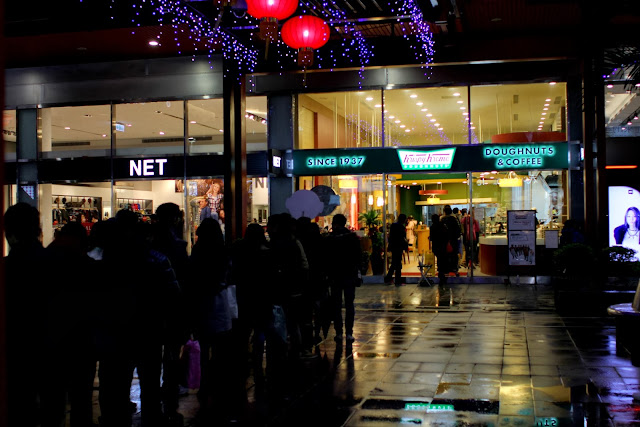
(32, 373)
(397, 244)
(344, 252)
(206, 298)
(142, 290)
(249, 263)
(167, 240)
(471, 236)
(439, 237)
(289, 275)
(318, 314)
(453, 231)
(74, 323)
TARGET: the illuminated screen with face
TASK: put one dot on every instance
(624, 217)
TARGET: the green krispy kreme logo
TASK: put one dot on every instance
(426, 160)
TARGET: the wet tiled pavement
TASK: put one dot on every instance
(497, 356)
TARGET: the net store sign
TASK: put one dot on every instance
(519, 156)
(147, 167)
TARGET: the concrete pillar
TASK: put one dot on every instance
(281, 135)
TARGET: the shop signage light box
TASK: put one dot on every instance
(461, 158)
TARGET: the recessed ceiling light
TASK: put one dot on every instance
(368, 98)
(193, 122)
(161, 133)
(396, 121)
(552, 83)
(424, 109)
(221, 130)
(407, 130)
(153, 43)
(413, 95)
(104, 135)
(460, 102)
(547, 100)
(437, 124)
(414, 183)
(129, 125)
(392, 117)
(378, 105)
(419, 104)
(546, 105)
(465, 114)
(609, 86)
(386, 111)
(432, 120)
(544, 114)
(463, 108)
(67, 127)
(545, 109)
(629, 123)
(473, 127)
(429, 115)
(440, 128)
(403, 126)
(456, 94)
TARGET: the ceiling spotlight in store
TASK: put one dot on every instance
(378, 105)
(407, 130)
(379, 201)
(403, 126)
(397, 121)
(456, 94)
(552, 83)
(368, 98)
(161, 133)
(610, 86)
(429, 115)
(440, 128)
(193, 122)
(424, 109)
(67, 127)
(413, 95)
(419, 104)
(547, 100)
(392, 117)
(104, 136)
(153, 43)
(414, 183)
(370, 200)
(129, 125)
(460, 102)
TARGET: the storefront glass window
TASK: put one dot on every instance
(205, 199)
(621, 110)
(61, 203)
(75, 131)
(340, 120)
(427, 116)
(206, 122)
(258, 202)
(9, 127)
(149, 128)
(500, 113)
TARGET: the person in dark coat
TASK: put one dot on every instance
(142, 290)
(397, 244)
(206, 298)
(439, 236)
(345, 254)
(454, 231)
(167, 240)
(35, 390)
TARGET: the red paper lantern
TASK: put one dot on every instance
(305, 33)
(268, 12)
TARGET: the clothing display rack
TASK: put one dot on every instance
(71, 208)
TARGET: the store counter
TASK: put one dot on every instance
(494, 260)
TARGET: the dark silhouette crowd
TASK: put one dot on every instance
(129, 299)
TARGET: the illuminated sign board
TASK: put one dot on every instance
(429, 407)
(519, 156)
(461, 158)
(147, 167)
(426, 160)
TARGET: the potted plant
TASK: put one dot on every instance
(377, 250)
(370, 218)
(620, 266)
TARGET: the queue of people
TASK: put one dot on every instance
(129, 297)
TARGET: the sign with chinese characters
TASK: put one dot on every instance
(426, 160)
(461, 158)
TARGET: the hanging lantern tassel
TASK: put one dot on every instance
(305, 57)
(305, 33)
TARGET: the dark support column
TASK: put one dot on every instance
(235, 154)
(27, 154)
(281, 136)
(574, 133)
(601, 152)
(3, 323)
(588, 127)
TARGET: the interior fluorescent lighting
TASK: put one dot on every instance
(153, 43)
(413, 95)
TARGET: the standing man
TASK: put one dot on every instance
(397, 245)
(454, 231)
(344, 247)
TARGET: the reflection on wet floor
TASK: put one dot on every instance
(499, 355)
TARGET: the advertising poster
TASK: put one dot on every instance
(624, 217)
(521, 220)
(522, 246)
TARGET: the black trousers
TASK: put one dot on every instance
(396, 267)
